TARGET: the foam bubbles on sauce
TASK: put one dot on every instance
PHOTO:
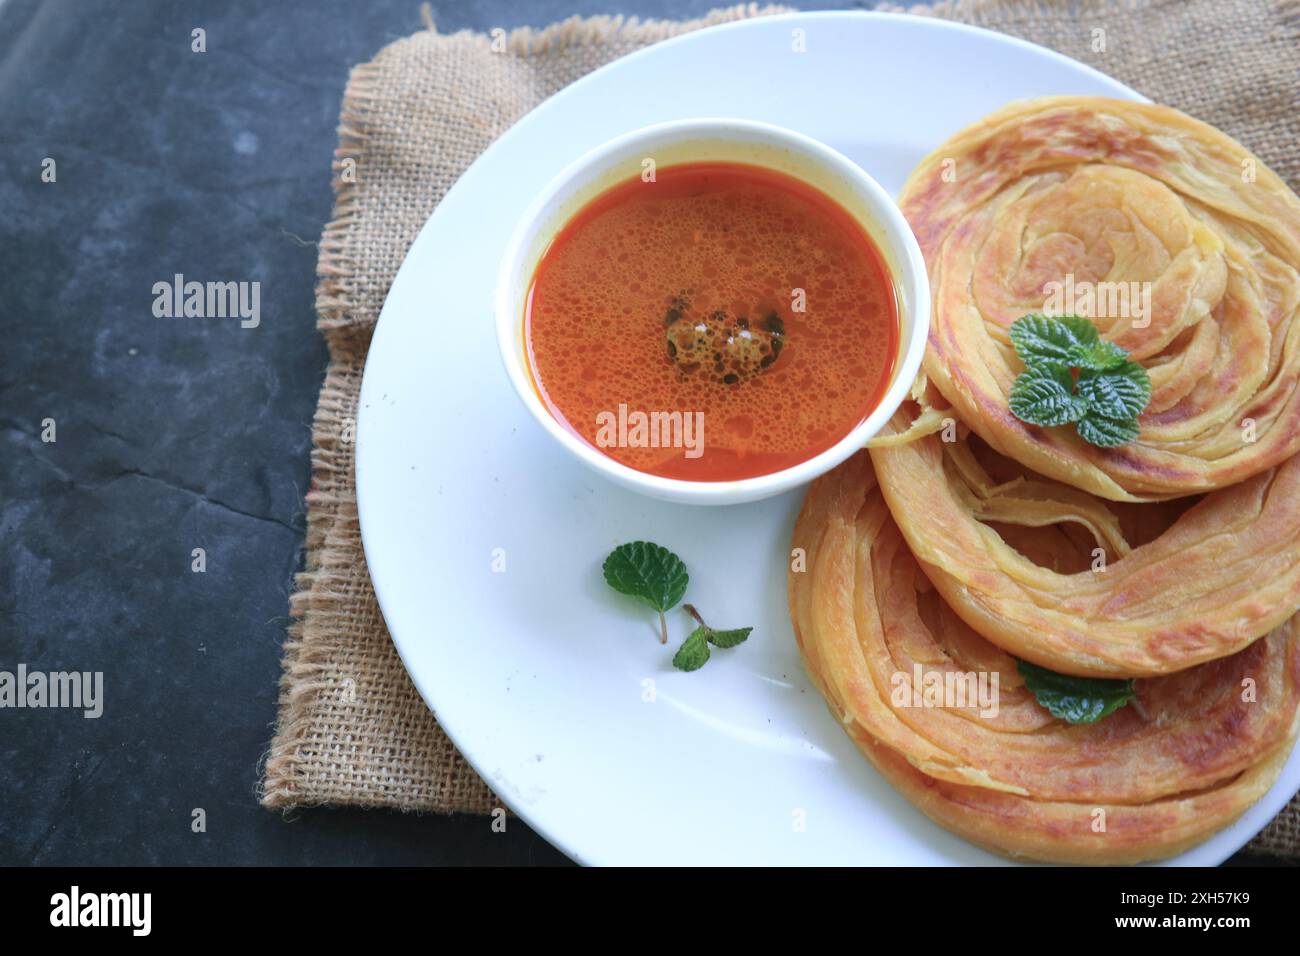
(682, 295)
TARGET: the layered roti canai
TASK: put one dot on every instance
(1180, 762)
(1158, 575)
(1175, 239)
(1087, 586)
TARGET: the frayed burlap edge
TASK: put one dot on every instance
(318, 606)
(977, 12)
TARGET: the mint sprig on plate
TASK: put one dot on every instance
(654, 575)
(1076, 700)
(1073, 376)
(649, 573)
(694, 652)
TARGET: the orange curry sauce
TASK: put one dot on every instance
(723, 289)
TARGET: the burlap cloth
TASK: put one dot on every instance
(352, 730)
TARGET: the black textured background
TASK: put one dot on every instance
(174, 434)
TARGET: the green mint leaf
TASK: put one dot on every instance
(1077, 700)
(647, 572)
(1102, 356)
(1106, 432)
(1063, 340)
(1121, 393)
(728, 638)
(1045, 396)
(694, 652)
(1111, 390)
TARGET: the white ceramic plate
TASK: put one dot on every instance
(541, 674)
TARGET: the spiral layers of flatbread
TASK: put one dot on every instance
(1145, 601)
(1183, 760)
(1179, 244)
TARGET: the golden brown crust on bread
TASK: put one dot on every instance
(1103, 193)
(1187, 757)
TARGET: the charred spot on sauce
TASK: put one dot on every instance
(730, 350)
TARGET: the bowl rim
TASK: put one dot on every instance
(906, 265)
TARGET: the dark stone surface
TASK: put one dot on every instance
(175, 434)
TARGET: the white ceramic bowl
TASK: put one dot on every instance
(716, 140)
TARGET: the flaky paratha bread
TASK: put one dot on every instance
(1097, 194)
(1085, 586)
(1183, 760)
